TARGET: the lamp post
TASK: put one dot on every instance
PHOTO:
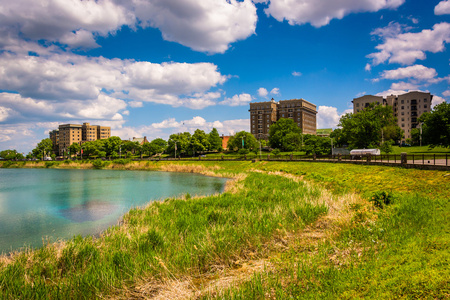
(175, 149)
(420, 126)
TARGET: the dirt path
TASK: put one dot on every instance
(212, 284)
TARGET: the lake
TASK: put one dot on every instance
(58, 204)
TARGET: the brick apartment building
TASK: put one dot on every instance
(67, 134)
(407, 107)
(264, 114)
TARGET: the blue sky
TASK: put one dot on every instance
(156, 67)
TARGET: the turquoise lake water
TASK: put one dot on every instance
(58, 204)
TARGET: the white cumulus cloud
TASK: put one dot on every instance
(328, 116)
(443, 8)
(262, 92)
(419, 72)
(238, 100)
(320, 12)
(406, 48)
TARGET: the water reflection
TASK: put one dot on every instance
(36, 203)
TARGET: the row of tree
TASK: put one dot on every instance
(373, 127)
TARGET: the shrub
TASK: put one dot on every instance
(276, 151)
(98, 163)
(122, 161)
(382, 198)
(243, 151)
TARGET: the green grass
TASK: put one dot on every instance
(400, 251)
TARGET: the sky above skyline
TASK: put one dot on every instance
(156, 67)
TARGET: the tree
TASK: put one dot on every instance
(364, 129)
(156, 146)
(215, 142)
(181, 140)
(282, 134)
(199, 142)
(43, 148)
(9, 154)
(386, 147)
(242, 140)
(338, 137)
(74, 148)
(112, 146)
(317, 145)
(436, 125)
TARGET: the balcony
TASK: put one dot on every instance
(413, 108)
(413, 114)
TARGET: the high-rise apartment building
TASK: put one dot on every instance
(67, 134)
(407, 107)
(264, 114)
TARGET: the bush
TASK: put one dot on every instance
(98, 163)
(243, 151)
(122, 161)
(380, 199)
(276, 151)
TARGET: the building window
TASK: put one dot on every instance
(403, 101)
(403, 107)
(424, 100)
(357, 104)
(424, 106)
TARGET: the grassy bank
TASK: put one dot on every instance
(281, 230)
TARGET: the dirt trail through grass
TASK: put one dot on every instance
(307, 240)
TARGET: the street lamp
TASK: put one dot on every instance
(420, 126)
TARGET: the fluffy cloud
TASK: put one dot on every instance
(320, 12)
(238, 100)
(446, 93)
(296, 74)
(417, 72)
(437, 100)
(328, 116)
(443, 8)
(262, 92)
(53, 20)
(406, 48)
(70, 77)
(208, 25)
(404, 86)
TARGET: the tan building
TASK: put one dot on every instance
(67, 134)
(407, 107)
(54, 136)
(264, 114)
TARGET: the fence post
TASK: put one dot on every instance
(339, 157)
(268, 156)
(314, 156)
(292, 156)
(369, 157)
(245, 156)
(222, 157)
(434, 159)
(403, 158)
(423, 159)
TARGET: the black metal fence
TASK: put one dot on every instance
(414, 159)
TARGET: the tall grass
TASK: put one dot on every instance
(176, 236)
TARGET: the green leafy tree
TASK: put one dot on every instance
(74, 148)
(249, 141)
(338, 138)
(112, 146)
(364, 129)
(44, 147)
(317, 145)
(386, 147)
(215, 142)
(436, 126)
(181, 140)
(282, 135)
(9, 154)
(154, 147)
(199, 142)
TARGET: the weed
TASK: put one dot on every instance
(381, 198)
